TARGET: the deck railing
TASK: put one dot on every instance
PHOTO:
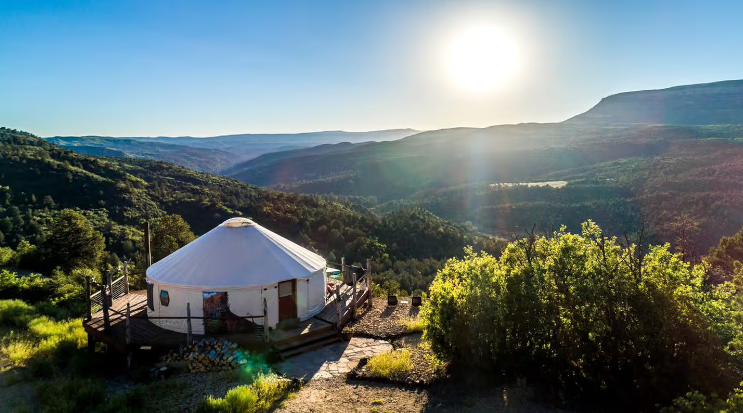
(113, 289)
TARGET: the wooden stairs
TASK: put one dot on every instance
(307, 342)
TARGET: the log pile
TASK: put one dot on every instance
(209, 354)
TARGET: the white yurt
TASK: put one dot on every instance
(228, 272)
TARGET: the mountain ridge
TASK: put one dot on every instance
(711, 103)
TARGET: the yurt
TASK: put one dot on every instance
(228, 272)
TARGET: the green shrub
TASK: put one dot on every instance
(30, 288)
(587, 316)
(8, 257)
(695, 402)
(259, 396)
(388, 364)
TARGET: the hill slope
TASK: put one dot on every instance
(38, 178)
(702, 104)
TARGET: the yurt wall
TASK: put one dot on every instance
(311, 295)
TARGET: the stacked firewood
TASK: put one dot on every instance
(209, 354)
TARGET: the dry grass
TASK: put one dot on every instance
(259, 396)
(389, 364)
(412, 324)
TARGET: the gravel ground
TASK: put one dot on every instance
(383, 321)
(349, 396)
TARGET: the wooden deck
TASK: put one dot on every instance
(144, 333)
(330, 313)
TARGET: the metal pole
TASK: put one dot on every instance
(147, 250)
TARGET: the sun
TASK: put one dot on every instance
(481, 58)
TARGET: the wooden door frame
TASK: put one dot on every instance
(293, 296)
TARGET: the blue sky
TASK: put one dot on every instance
(201, 68)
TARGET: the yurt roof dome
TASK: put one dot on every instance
(237, 253)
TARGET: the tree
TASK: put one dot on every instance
(722, 259)
(72, 243)
(686, 232)
(48, 202)
(169, 233)
(570, 310)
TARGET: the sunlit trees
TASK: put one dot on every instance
(578, 312)
(169, 233)
(722, 258)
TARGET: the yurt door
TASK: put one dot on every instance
(287, 300)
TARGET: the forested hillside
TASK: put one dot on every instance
(211, 160)
(617, 176)
(38, 179)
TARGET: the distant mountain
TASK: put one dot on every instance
(702, 104)
(199, 159)
(215, 154)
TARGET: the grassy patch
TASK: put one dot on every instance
(15, 313)
(388, 364)
(259, 396)
(71, 396)
(79, 395)
(412, 324)
(37, 342)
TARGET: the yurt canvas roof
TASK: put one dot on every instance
(237, 253)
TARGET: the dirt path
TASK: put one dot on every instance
(337, 395)
(16, 396)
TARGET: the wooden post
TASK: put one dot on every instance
(128, 337)
(369, 284)
(90, 306)
(147, 250)
(104, 301)
(126, 276)
(353, 300)
(188, 324)
(338, 305)
(343, 270)
(108, 280)
(128, 325)
(266, 337)
(91, 343)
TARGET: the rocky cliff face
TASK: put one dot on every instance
(701, 104)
